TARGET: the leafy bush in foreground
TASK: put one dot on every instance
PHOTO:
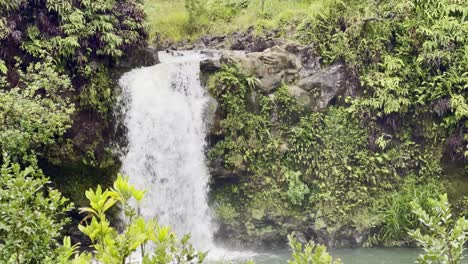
(31, 216)
(309, 253)
(157, 244)
(443, 238)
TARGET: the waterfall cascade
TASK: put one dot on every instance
(164, 115)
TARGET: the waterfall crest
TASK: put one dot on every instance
(164, 115)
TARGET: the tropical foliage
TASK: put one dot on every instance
(34, 112)
(112, 246)
(410, 57)
(319, 163)
(54, 61)
(442, 237)
(410, 60)
(354, 166)
(31, 216)
(309, 253)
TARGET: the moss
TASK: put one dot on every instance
(226, 212)
(258, 213)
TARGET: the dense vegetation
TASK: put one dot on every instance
(377, 163)
(358, 164)
(54, 77)
(345, 184)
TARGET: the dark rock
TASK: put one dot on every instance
(212, 41)
(331, 82)
(218, 171)
(253, 100)
(309, 59)
(246, 41)
(140, 58)
(210, 65)
(301, 237)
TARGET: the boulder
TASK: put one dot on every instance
(142, 57)
(214, 42)
(303, 98)
(330, 83)
(240, 40)
(210, 65)
(309, 61)
(272, 67)
(248, 41)
(253, 102)
(275, 66)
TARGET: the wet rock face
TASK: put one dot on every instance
(210, 66)
(249, 42)
(299, 68)
(281, 64)
(272, 67)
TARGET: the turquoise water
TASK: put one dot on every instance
(349, 256)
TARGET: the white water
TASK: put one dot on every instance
(166, 141)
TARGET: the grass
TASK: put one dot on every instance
(169, 18)
(166, 18)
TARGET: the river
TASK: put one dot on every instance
(348, 256)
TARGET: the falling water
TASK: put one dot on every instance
(164, 116)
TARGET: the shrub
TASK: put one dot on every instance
(31, 216)
(112, 246)
(33, 113)
(398, 215)
(297, 189)
(309, 253)
(442, 237)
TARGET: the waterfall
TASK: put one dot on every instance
(164, 117)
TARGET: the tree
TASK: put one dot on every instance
(444, 238)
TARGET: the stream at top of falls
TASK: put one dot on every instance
(164, 115)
